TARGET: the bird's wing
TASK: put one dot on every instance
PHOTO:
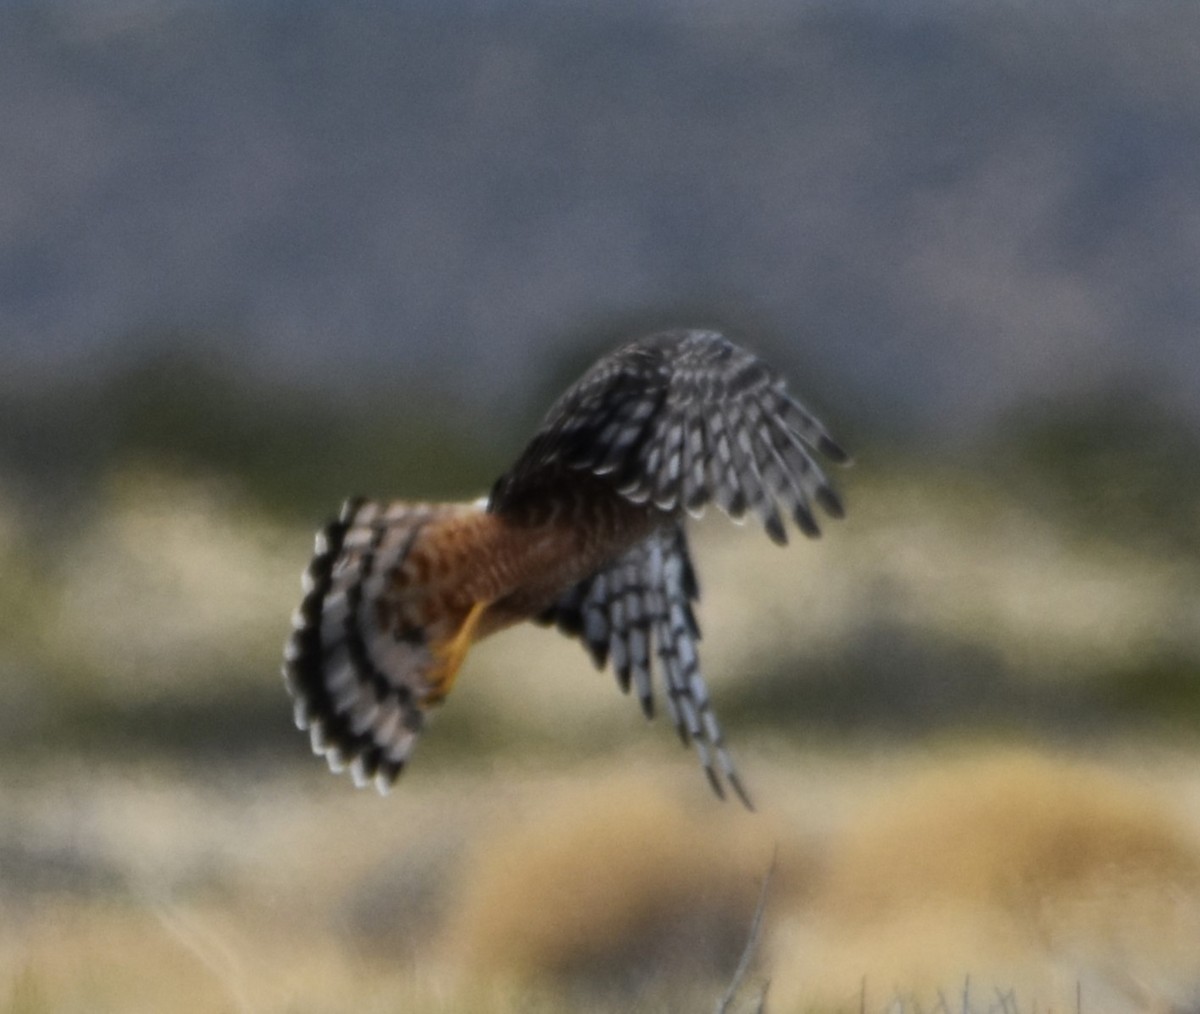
(638, 607)
(677, 419)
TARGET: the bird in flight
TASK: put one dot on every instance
(586, 532)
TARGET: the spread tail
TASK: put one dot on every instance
(379, 636)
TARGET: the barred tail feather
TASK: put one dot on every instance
(363, 676)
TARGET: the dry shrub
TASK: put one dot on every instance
(615, 885)
(1018, 871)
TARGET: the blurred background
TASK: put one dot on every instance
(257, 257)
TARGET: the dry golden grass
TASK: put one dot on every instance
(458, 895)
(579, 889)
(1023, 873)
(615, 882)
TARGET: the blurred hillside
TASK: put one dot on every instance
(935, 210)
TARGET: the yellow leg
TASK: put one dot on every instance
(450, 656)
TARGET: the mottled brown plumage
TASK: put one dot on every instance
(585, 531)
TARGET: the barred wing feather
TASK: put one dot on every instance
(641, 607)
(683, 418)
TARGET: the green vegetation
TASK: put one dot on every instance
(1116, 466)
(292, 451)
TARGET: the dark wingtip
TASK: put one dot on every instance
(833, 450)
(831, 502)
(714, 782)
(740, 790)
(775, 530)
(599, 655)
(647, 703)
(806, 522)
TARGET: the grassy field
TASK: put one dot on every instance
(968, 717)
(614, 884)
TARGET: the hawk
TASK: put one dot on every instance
(585, 532)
